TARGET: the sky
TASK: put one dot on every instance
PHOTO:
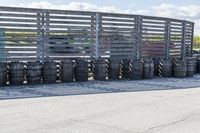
(181, 9)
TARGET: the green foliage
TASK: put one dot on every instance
(197, 42)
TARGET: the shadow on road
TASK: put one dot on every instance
(96, 87)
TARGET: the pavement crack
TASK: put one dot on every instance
(151, 130)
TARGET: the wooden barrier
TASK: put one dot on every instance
(43, 34)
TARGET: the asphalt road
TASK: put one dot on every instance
(163, 111)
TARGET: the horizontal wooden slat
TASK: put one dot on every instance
(18, 20)
(16, 15)
(17, 25)
(17, 54)
(69, 22)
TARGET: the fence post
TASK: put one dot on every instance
(47, 36)
(183, 40)
(192, 37)
(138, 36)
(92, 35)
(97, 36)
(39, 35)
(43, 34)
(167, 37)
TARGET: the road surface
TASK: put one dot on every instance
(161, 111)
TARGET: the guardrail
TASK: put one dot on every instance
(43, 34)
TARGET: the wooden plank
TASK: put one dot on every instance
(69, 12)
(153, 34)
(19, 30)
(19, 45)
(67, 51)
(68, 26)
(153, 30)
(19, 49)
(20, 59)
(19, 9)
(20, 39)
(119, 50)
(68, 41)
(121, 54)
(54, 17)
(18, 54)
(72, 31)
(117, 15)
(118, 28)
(68, 54)
(18, 20)
(67, 57)
(117, 24)
(16, 15)
(175, 24)
(118, 32)
(17, 25)
(69, 22)
(118, 20)
(152, 26)
(153, 48)
(152, 22)
(69, 45)
(18, 34)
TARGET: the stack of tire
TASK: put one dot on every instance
(67, 71)
(195, 59)
(81, 70)
(34, 72)
(49, 72)
(99, 67)
(148, 69)
(136, 69)
(180, 68)
(190, 67)
(125, 68)
(198, 66)
(156, 62)
(3, 73)
(16, 73)
(165, 68)
(114, 69)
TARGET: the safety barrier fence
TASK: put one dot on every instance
(43, 34)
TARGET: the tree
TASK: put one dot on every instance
(197, 42)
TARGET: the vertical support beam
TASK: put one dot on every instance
(92, 34)
(97, 36)
(39, 36)
(135, 48)
(138, 36)
(192, 39)
(133, 41)
(183, 40)
(167, 37)
(47, 35)
(43, 35)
